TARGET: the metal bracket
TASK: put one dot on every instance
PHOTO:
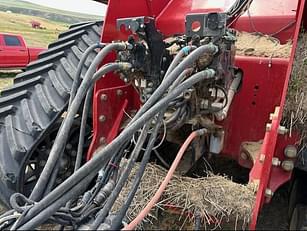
(134, 24)
(206, 25)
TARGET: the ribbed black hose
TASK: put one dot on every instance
(77, 78)
(95, 164)
(125, 174)
(63, 133)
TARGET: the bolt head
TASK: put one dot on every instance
(119, 92)
(244, 156)
(291, 151)
(73, 153)
(102, 140)
(287, 165)
(269, 193)
(282, 130)
(268, 127)
(102, 118)
(103, 97)
(69, 146)
(262, 158)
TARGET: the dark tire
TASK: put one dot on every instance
(297, 211)
(299, 218)
(38, 98)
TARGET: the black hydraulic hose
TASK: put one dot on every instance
(17, 197)
(168, 81)
(102, 71)
(54, 175)
(55, 206)
(173, 118)
(181, 77)
(86, 108)
(120, 184)
(68, 121)
(137, 180)
(109, 170)
(183, 52)
(77, 78)
(116, 225)
(63, 133)
(95, 164)
(122, 212)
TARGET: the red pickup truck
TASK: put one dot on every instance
(14, 52)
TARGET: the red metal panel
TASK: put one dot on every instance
(254, 102)
(278, 12)
(262, 170)
(109, 109)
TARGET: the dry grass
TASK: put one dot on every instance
(20, 24)
(214, 198)
(251, 44)
(5, 82)
(295, 113)
(6, 79)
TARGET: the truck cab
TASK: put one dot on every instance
(14, 52)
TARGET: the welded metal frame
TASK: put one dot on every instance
(263, 91)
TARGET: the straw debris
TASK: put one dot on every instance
(214, 198)
(295, 113)
(253, 44)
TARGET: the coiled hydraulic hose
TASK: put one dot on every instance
(85, 173)
(62, 136)
(166, 180)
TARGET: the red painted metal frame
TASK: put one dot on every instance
(262, 170)
(111, 106)
(264, 84)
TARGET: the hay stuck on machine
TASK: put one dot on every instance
(216, 199)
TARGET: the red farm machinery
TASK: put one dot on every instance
(158, 85)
